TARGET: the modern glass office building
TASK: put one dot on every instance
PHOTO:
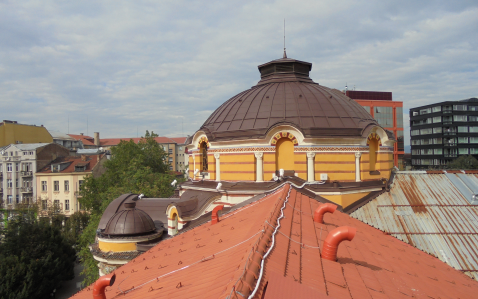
(443, 131)
(387, 112)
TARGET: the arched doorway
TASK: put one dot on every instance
(373, 142)
(285, 154)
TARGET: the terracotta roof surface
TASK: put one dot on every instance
(224, 260)
(86, 140)
(179, 140)
(116, 141)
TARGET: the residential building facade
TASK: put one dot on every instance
(443, 131)
(18, 166)
(59, 182)
(388, 113)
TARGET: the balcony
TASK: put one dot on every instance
(1, 190)
(447, 122)
(26, 173)
(27, 199)
(77, 194)
(450, 144)
(26, 189)
(447, 111)
(451, 155)
(449, 133)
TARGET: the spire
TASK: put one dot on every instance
(285, 54)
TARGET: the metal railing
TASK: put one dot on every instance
(26, 189)
(26, 173)
(447, 111)
(449, 133)
(451, 155)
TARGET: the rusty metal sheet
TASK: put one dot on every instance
(428, 211)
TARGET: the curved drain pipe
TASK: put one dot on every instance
(321, 210)
(334, 238)
(214, 215)
(101, 284)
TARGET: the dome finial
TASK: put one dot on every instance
(285, 54)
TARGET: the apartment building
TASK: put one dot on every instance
(443, 131)
(59, 182)
(388, 113)
(18, 166)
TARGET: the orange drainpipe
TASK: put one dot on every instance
(334, 238)
(214, 216)
(101, 284)
(321, 210)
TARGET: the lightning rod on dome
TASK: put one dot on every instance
(285, 55)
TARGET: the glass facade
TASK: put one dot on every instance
(399, 114)
(384, 116)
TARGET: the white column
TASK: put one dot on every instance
(310, 167)
(357, 166)
(259, 171)
(218, 166)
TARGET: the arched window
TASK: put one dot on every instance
(203, 150)
(285, 154)
(373, 142)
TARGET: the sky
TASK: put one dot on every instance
(123, 67)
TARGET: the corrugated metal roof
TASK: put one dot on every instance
(431, 212)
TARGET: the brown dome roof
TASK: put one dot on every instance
(130, 221)
(286, 95)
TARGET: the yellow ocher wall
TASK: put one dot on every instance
(345, 199)
(117, 247)
(11, 133)
(238, 167)
(269, 167)
(300, 166)
(384, 164)
(337, 166)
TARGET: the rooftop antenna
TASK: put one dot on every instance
(285, 55)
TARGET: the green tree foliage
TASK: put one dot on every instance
(133, 168)
(34, 258)
(463, 162)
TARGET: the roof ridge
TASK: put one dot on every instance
(252, 270)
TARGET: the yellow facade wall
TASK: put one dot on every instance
(337, 166)
(384, 164)
(345, 199)
(238, 167)
(211, 166)
(300, 165)
(116, 247)
(13, 133)
(269, 166)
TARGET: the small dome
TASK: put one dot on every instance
(130, 221)
(287, 95)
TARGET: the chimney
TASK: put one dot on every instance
(321, 210)
(83, 158)
(215, 216)
(97, 138)
(334, 238)
(81, 134)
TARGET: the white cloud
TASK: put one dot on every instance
(131, 66)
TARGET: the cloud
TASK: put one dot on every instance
(166, 66)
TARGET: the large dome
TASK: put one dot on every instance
(286, 95)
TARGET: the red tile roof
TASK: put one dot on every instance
(116, 141)
(179, 140)
(86, 140)
(90, 163)
(221, 260)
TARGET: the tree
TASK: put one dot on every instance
(34, 258)
(133, 168)
(463, 162)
